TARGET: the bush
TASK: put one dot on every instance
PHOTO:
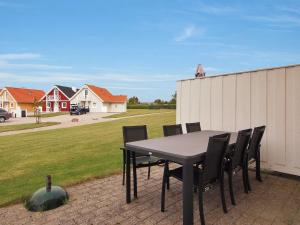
(152, 106)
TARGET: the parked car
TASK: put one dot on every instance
(76, 110)
(4, 115)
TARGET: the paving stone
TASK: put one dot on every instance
(275, 201)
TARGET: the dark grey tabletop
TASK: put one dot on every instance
(181, 147)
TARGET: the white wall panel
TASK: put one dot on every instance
(205, 112)
(276, 116)
(185, 102)
(243, 101)
(178, 102)
(259, 106)
(229, 102)
(195, 101)
(216, 103)
(292, 117)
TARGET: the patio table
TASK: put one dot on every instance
(185, 149)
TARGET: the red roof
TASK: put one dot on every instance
(106, 96)
(25, 95)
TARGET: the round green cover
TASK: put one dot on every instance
(42, 200)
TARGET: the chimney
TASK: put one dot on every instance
(200, 71)
(74, 89)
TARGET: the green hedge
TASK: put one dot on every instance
(152, 106)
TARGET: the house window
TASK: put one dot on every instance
(64, 105)
(94, 104)
(86, 92)
(11, 105)
(48, 104)
(0, 104)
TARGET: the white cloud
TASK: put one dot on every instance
(216, 9)
(10, 4)
(21, 56)
(277, 20)
(56, 77)
(188, 32)
(6, 58)
(5, 65)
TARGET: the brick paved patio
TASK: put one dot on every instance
(276, 201)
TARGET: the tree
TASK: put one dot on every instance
(158, 101)
(133, 100)
(173, 100)
(37, 112)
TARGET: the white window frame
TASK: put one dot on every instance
(64, 105)
(12, 105)
(94, 105)
(48, 105)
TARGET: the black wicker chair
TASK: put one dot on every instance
(253, 152)
(137, 133)
(193, 127)
(211, 171)
(237, 159)
(170, 130)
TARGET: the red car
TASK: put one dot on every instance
(4, 115)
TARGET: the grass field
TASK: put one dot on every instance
(26, 126)
(45, 115)
(70, 155)
(134, 112)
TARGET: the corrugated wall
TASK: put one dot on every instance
(232, 102)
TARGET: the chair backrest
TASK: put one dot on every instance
(254, 144)
(241, 145)
(214, 156)
(134, 133)
(193, 127)
(170, 130)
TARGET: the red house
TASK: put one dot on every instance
(58, 99)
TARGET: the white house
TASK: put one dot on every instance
(99, 99)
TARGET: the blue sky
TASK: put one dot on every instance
(139, 47)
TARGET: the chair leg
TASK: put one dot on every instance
(168, 177)
(245, 182)
(134, 175)
(149, 170)
(195, 189)
(230, 173)
(201, 208)
(163, 189)
(200, 198)
(257, 170)
(124, 159)
(247, 178)
(223, 193)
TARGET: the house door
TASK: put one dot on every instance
(56, 107)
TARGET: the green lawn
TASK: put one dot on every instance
(44, 115)
(134, 112)
(70, 155)
(25, 126)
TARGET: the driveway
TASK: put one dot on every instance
(65, 121)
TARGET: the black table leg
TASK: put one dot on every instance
(188, 194)
(128, 198)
